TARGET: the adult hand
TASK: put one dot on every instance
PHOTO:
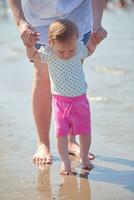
(27, 34)
(98, 34)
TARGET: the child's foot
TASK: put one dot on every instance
(42, 156)
(66, 170)
(87, 165)
(74, 149)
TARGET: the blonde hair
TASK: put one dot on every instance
(62, 30)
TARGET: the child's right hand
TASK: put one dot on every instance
(33, 37)
(27, 34)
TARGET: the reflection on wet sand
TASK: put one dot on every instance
(44, 185)
(76, 187)
(70, 187)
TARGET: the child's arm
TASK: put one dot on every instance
(91, 45)
(95, 39)
(32, 53)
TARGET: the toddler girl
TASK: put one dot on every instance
(64, 56)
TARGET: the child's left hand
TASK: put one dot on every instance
(98, 34)
(91, 45)
(96, 37)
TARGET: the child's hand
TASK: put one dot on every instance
(32, 53)
(33, 37)
(27, 33)
(98, 34)
(91, 45)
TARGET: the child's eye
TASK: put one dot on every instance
(60, 52)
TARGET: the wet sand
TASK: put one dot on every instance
(110, 80)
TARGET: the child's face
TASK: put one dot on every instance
(65, 50)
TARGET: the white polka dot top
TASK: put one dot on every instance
(66, 76)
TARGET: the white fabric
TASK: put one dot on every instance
(40, 13)
(66, 76)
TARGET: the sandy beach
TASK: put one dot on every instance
(110, 77)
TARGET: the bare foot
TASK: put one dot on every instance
(42, 156)
(66, 169)
(74, 149)
(87, 165)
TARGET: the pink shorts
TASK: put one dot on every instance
(71, 115)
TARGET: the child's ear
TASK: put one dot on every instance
(51, 42)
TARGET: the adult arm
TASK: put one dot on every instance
(16, 8)
(26, 30)
(98, 32)
(97, 8)
(33, 54)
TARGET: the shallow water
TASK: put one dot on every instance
(110, 77)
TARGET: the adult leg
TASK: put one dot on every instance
(41, 98)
